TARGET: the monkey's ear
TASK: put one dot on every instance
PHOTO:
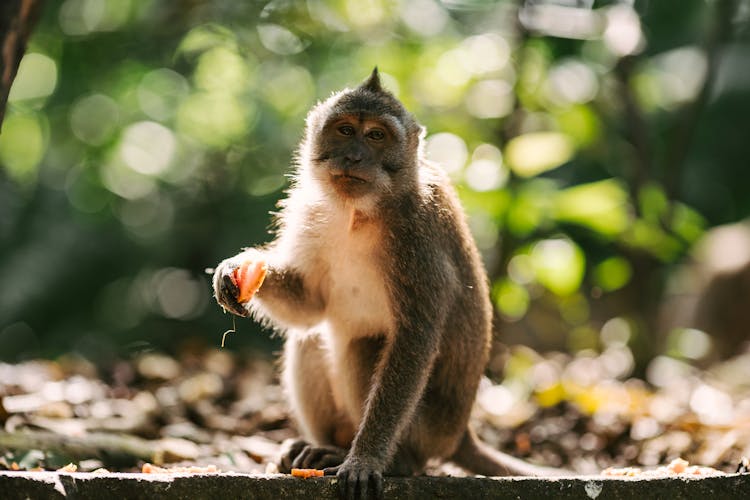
(373, 82)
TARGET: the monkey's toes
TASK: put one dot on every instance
(319, 457)
(290, 449)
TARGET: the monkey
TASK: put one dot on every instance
(375, 282)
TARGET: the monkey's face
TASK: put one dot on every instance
(362, 144)
(357, 155)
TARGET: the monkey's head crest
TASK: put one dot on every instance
(373, 82)
(369, 98)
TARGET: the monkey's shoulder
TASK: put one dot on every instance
(433, 218)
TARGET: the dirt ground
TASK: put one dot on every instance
(212, 406)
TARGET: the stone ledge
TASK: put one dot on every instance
(53, 485)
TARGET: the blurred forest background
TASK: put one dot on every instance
(600, 149)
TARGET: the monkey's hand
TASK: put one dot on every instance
(358, 478)
(237, 279)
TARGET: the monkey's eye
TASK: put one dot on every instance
(346, 130)
(376, 134)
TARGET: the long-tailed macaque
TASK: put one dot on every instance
(377, 285)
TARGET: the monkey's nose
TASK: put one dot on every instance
(353, 157)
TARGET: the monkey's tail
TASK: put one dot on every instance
(479, 458)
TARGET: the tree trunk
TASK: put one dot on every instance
(17, 18)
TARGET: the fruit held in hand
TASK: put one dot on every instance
(249, 277)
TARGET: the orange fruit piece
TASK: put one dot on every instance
(249, 277)
(305, 473)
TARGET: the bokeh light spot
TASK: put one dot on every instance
(511, 298)
(490, 99)
(215, 119)
(81, 17)
(160, 93)
(558, 265)
(94, 118)
(147, 147)
(178, 294)
(485, 53)
(426, 17)
(600, 206)
(22, 146)
(289, 89)
(486, 172)
(572, 81)
(537, 152)
(365, 13)
(612, 274)
(616, 332)
(280, 40)
(485, 175)
(690, 343)
(126, 182)
(222, 70)
(622, 34)
(36, 78)
(448, 150)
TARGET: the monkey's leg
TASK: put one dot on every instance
(357, 361)
(326, 430)
(397, 386)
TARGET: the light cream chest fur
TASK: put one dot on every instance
(343, 258)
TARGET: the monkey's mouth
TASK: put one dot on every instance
(350, 185)
(348, 178)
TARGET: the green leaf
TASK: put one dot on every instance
(580, 123)
(687, 223)
(531, 154)
(23, 144)
(205, 37)
(559, 265)
(511, 298)
(600, 206)
(612, 274)
(531, 207)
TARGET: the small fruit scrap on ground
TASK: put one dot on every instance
(305, 473)
(153, 469)
(676, 466)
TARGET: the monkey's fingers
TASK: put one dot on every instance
(331, 471)
(226, 295)
(377, 485)
(362, 483)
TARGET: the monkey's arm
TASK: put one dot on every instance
(399, 381)
(283, 297)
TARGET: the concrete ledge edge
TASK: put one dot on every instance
(82, 485)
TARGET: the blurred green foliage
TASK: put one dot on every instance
(592, 143)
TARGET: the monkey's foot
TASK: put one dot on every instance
(300, 454)
(290, 449)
